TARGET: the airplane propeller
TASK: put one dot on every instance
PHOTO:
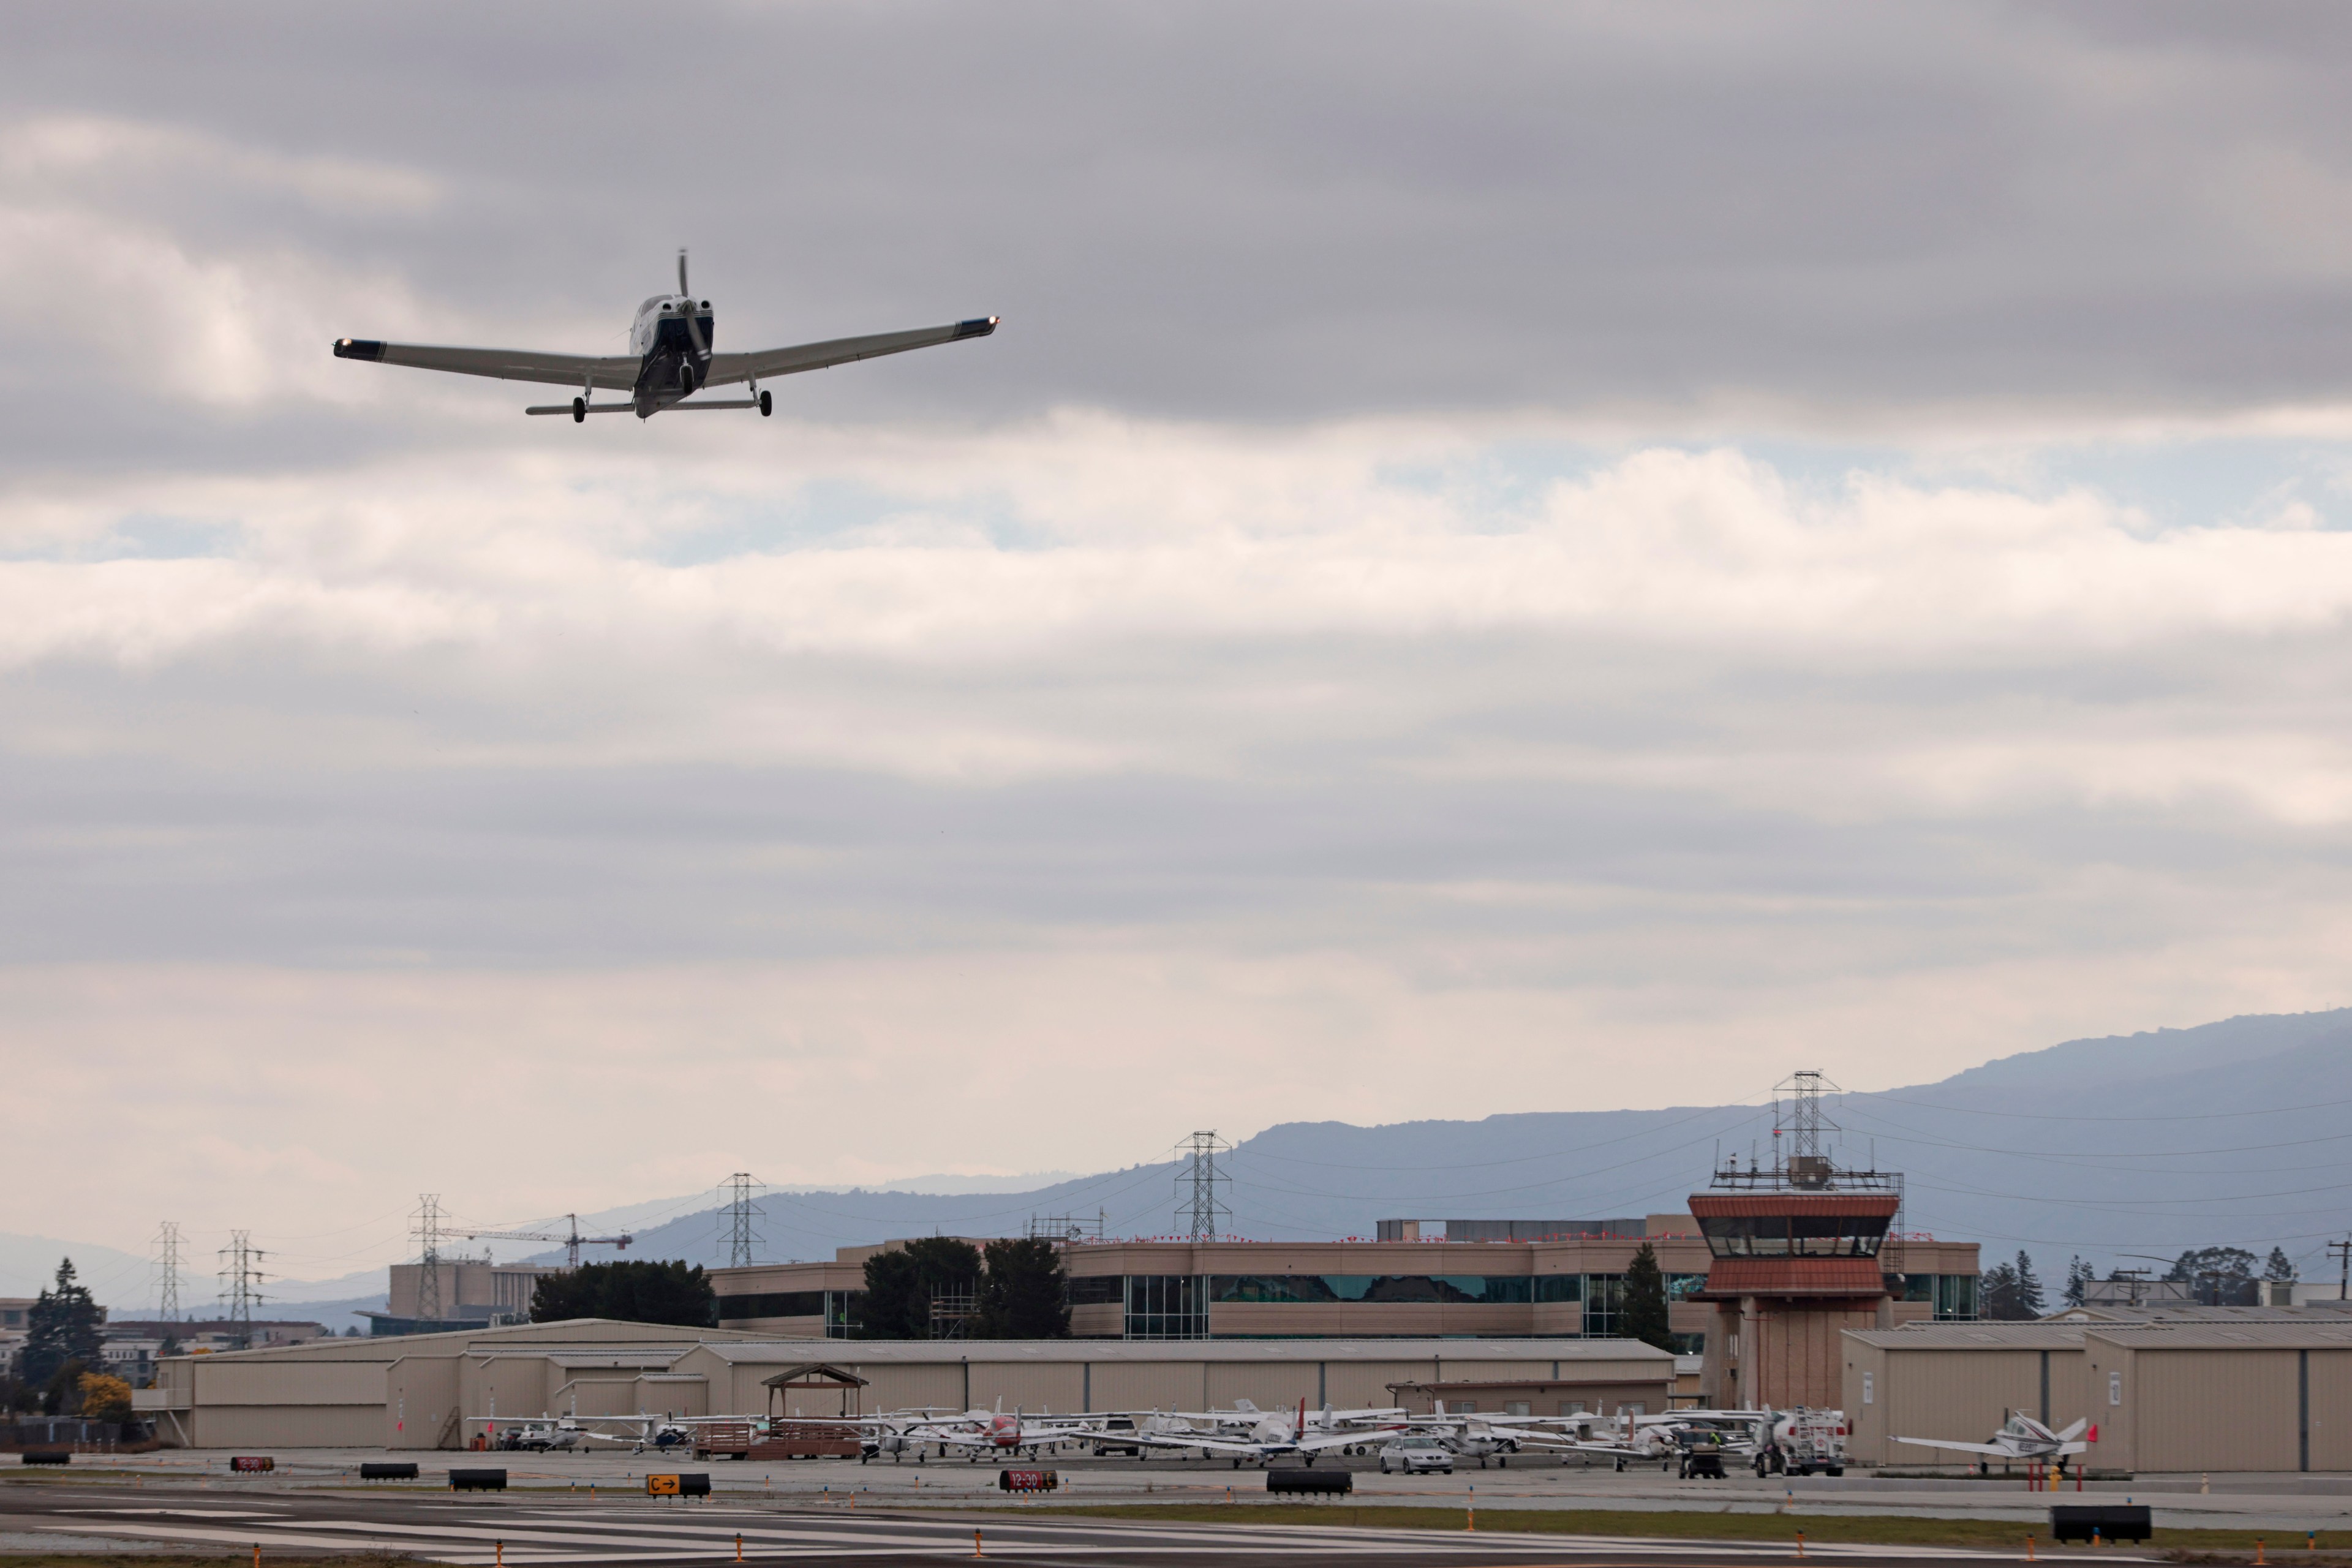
(693, 323)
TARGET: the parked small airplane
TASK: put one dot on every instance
(670, 359)
(976, 1432)
(2024, 1438)
(1269, 1436)
(536, 1435)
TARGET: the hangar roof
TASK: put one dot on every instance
(870, 1351)
(1974, 1336)
(2226, 1336)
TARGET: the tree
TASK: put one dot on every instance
(104, 1398)
(2279, 1268)
(1996, 1293)
(63, 1325)
(2078, 1282)
(62, 1390)
(1023, 1295)
(1642, 1309)
(2219, 1276)
(2030, 1301)
(901, 1282)
(634, 1291)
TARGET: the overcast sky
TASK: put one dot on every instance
(1503, 558)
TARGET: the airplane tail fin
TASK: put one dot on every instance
(2076, 1430)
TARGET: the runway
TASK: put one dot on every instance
(484, 1531)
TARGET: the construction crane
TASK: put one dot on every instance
(572, 1242)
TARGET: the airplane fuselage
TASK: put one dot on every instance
(669, 366)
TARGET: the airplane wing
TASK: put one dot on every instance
(505, 365)
(1209, 1444)
(1322, 1440)
(1995, 1449)
(764, 363)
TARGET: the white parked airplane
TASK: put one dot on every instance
(670, 359)
(1268, 1437)
(2024, 1438)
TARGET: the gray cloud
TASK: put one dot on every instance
(1224, 212)
(1285, 642)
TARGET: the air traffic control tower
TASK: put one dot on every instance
(1800, 1250)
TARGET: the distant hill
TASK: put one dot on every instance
(2232, 1132)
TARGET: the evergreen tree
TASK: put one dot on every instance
(2029, 1303)
(2279, 1267)
(1023, 1295)
(1642, 1310)
(901, 1283)
(1996, 1293)
(636, 1291)
(2078, 1282)
(62, 1326)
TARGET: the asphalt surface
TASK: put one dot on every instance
(232, 1518)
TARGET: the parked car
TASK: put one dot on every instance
(1416, 1454)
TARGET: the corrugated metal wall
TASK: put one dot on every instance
(2217, 1409)
(1149, 1385)
(896, 1387)
(2331, 1410)
(419, 1394)
(1960, 1394)
(1276, 1387)
(289, 1425)
(310, 1381)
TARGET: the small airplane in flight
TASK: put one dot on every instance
(669, 360)
(2023, 1437)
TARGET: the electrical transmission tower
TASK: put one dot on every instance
(735, 1220)
(240, 1284)
(1198, 1212)
(428, 1253)
(167, 1273)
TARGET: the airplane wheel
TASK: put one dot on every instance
(767, 403)
(580, 411)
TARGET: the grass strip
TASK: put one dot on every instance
(2285, 1548)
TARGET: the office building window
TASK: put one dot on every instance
(1167, 1307)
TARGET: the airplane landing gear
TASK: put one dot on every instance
(580, 411)
(767, 403)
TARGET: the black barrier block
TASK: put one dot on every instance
(48, 1459)
(1306, 1480)
(2111, 1520)
(477, 1481)
(387, 1472)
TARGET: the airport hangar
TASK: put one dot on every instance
(434, 1391)
(2194, 1390)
